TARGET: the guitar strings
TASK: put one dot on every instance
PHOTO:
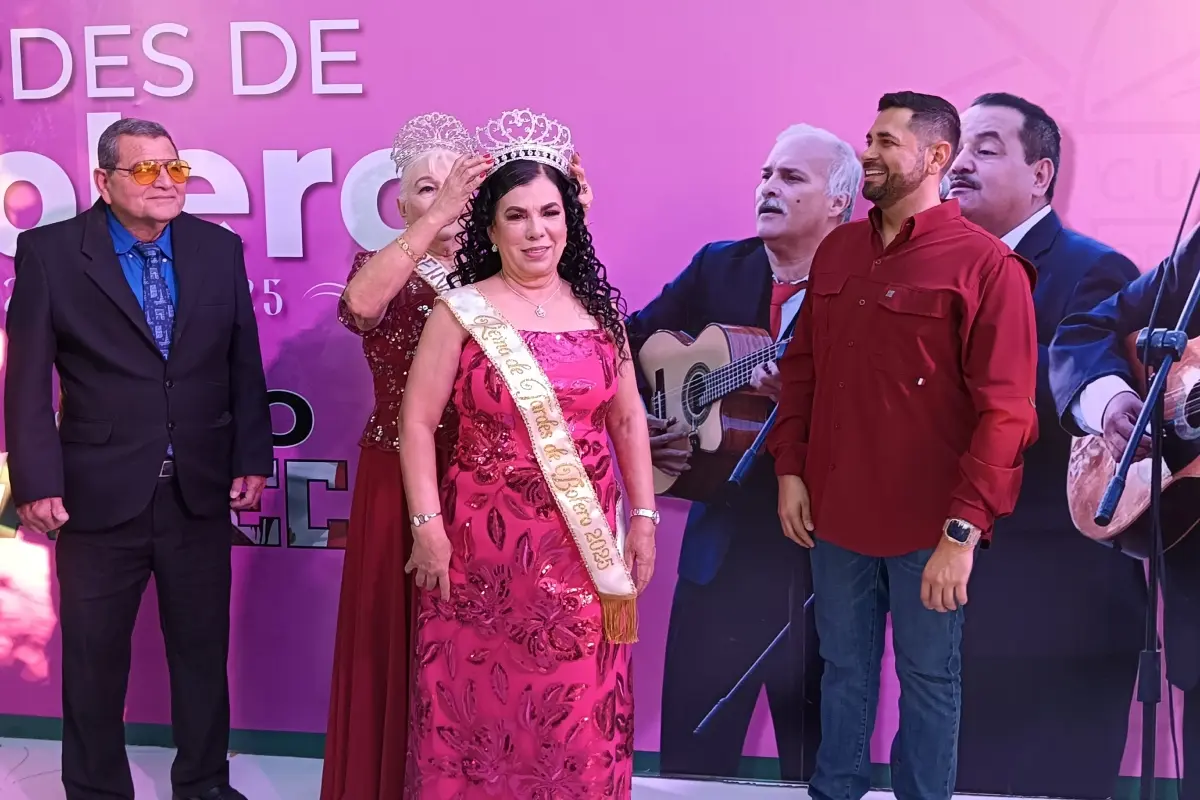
(1188, 408)
(727, 378)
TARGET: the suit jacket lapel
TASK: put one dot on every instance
(1040, 238)
(105, 269)
(188, 273)
(757, 270)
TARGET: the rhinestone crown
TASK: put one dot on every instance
(427, 132)
(522, 135)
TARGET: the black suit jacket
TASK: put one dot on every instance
(1043, 588)
(727, 283)
(73, 310)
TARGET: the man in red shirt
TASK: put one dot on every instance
(740, 582)
(907, 401)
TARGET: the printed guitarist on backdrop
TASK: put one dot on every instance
(1093, 464)
(707, 383)
(710, 337)
(1100, 382)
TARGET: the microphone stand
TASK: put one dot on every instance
(1165, 347)
(746, 463)
(1161, 349)
(733, 488)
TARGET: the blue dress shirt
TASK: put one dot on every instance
(132, 262)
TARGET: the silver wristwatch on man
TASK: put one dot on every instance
(961, 532)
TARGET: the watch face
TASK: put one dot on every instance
(958, 532)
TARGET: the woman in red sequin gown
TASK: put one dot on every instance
(388, 296)
(386, 303)
(518, 693)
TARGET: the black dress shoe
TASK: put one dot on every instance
(225, 792)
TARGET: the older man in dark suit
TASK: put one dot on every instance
(740, 579)
(145, 312)
(1054, 624)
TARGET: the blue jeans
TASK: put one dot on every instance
(853, 596)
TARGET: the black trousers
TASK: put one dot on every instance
(1181, 646)
(1036, 726)
(1190, 746)
(716, 633)
(102, 576)
(1044, 727)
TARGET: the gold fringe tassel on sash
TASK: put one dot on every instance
(620, 619)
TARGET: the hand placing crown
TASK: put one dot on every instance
(435, 131)
(522, 135)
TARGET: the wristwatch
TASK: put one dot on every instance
(420, 519)
(648, 513)
(961, 532)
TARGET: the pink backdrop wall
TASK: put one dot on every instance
(673, 104)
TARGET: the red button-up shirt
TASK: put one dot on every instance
(908, 389)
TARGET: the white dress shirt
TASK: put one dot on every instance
(1014, 237)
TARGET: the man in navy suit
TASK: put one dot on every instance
(1054, 625)
(145, 313)
(1092, 381)
(738, 575)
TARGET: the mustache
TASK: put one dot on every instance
(770, 204)
(963, 181)
(874, 165)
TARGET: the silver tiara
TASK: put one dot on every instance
(427, 132)
(521, 135)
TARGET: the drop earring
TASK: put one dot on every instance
(495, 249)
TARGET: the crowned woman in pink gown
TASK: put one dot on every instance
(522, 686)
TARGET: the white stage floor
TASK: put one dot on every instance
(29, 771)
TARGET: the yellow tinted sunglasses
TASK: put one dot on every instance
(145, 173)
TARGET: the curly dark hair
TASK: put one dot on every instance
(579, 266)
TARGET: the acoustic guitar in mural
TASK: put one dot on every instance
(1092, 466)
(705, 384)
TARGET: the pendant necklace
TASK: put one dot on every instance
(537, 307)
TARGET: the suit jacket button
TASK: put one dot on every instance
(170, 426)
(170, 384)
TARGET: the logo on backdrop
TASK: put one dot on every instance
(303, 479)
(39, 190)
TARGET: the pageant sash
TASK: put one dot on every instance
(434, 274)
(557, 456)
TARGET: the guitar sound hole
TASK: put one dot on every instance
(1191, 411)
(694, 407)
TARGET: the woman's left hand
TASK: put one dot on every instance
(639, 551)
(585, 190)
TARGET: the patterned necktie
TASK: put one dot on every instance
(156, 297)
(156, 302)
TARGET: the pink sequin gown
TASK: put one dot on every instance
(517, 696)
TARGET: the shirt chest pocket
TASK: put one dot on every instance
(914, 334)
(825, 292)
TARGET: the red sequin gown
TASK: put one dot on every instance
(367, 737)
(517, 696)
